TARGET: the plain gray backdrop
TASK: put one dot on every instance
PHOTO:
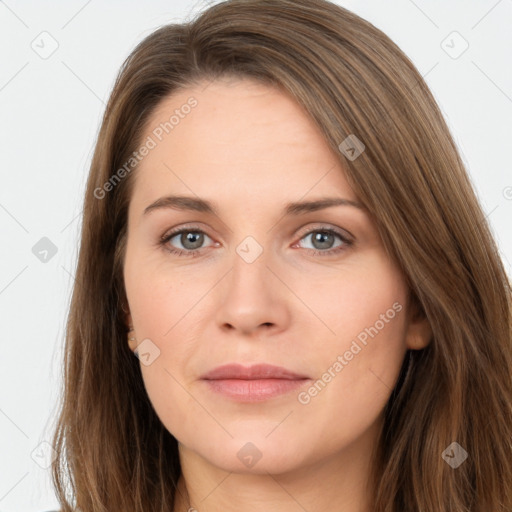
(58, 65)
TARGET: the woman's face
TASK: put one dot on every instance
(254, 281)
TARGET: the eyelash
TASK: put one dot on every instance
(195, 252)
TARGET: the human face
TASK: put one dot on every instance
(264, 287)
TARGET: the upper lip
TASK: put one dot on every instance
(254, 372)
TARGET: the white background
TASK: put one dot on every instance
(50, 115)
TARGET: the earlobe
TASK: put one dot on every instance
(132, 341)
(419, 331)
(419, 334)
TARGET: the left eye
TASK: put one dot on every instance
(192, 240)
(324, 238)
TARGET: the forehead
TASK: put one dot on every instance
(240, 136)
(236, 113)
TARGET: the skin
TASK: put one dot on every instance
(250, 149)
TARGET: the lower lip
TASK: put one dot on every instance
(254, 390)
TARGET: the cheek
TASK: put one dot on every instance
(357, 379)
(162, 305)
(363, 348)
(355, 297)
(158, 298)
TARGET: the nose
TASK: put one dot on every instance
(253, 298)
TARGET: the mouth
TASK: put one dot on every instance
(254, 383)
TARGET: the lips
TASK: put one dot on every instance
(255, 372)
(254, 383)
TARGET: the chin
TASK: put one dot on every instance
(254, 455)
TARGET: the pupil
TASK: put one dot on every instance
(189, 237)
(322, 236)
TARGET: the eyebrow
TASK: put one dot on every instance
(188, 203)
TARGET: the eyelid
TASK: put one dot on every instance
(324, 226)
(302, 232)
(182, 227)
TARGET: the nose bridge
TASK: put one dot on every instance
(250, 274)
(250, 295)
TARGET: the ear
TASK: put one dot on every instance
(132, 343)
(130, 335)
(419, 332)
(128, 320)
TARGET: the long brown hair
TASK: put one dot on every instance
(114, 453)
